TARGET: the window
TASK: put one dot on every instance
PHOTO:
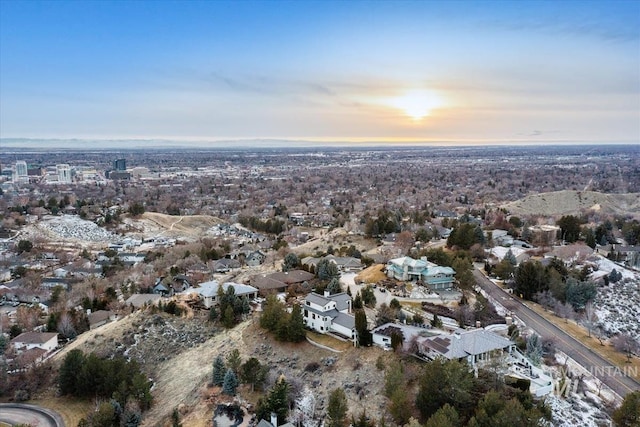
(313, 316)
(308, 303)
(306, 313)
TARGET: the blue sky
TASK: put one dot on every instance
(455, 71)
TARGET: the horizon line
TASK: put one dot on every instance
(27, 142)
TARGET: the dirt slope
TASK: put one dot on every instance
(569, 202)
(152, 224)
(177, 353)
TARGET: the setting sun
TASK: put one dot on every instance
(417, 104)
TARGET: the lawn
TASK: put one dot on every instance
(329, 341)
(372, 274)
(71, 411)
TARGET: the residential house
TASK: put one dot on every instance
(180, 283)
(472, 346)
(53, 282)
(499, 237)
(208, 291)
(255, 258)
(381, 335)
(224, 265)
(100, 317)
(280, 281)
(544, 235)
(47, 341)
(330, 314)
(344, 264)
(140, 300)
(570, 254)
(199, 268)
(131, 258)
(432, 275)
(498, 253)
(161, 288)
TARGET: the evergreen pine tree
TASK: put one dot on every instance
(296, 331)
(509, 256)
(218, 371)
(230, 383)
(436, 322)
(334, 286)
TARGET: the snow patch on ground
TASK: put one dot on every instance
(584, 405)
(618, 304)
(605, 264)
(575, 411)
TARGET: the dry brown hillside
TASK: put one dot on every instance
(152, 224)
(178, 353)
(569, 202)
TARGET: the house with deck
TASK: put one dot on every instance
(472, 346)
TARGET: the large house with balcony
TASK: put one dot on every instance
(408, 269)
(330, 314)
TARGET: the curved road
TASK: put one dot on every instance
(18, 413)
(564, 342)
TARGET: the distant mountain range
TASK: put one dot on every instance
(138, 144)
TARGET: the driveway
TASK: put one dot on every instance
(564, 342)
(18, 413)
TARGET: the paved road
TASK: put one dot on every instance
(564, 342)
(17, 413)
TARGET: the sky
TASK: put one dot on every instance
(454, 72)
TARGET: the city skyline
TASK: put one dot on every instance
(325, 72)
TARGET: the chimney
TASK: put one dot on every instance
(274, 419)
(326, 294)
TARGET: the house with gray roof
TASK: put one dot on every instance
(330, 314)
(141, 300)
(344, 263)
(474, 346)
(100, 317)
(208, 291)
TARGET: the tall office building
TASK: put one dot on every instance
(120, 165)
(64, 173)
(20, 173)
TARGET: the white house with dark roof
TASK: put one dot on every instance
(330, 314)
(208, 291)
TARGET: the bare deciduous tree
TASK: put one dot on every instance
(626, 344)
(590, 318)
